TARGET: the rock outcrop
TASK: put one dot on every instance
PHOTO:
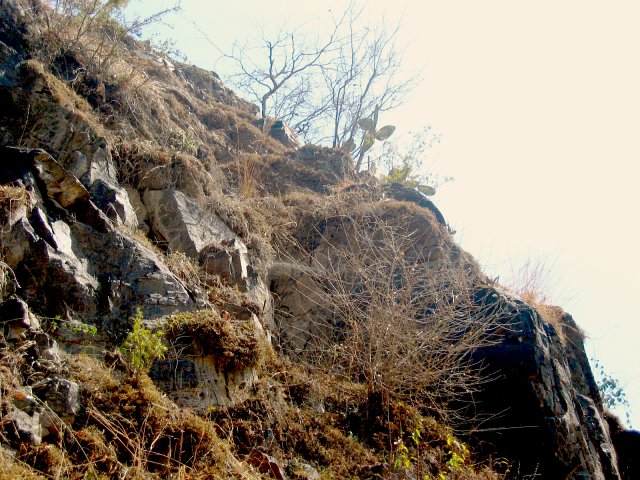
(541, 408)
(69, 259)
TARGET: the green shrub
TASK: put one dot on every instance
(142, 346)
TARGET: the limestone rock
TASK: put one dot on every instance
(281, 132)
(28, 427)
(199, 378)
(186, 226)
(230, 262)
(138, 207)
(197, 383)
(63, 125)
(302, 471)
(300, 316)
(333, 161)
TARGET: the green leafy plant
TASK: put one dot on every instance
(401, 460)
(142, 346)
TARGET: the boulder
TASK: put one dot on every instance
(26, 426)
(184, 224)
(139, 209)
(202, 377)
(62, 396)
(302, 471)
(281, 132)
(542, 409)
(114, 202)
(17, 319)
(266, 464)
(406, 194)
(332, 161)
(301, 316)
(197, 383)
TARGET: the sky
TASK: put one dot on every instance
(538, 109)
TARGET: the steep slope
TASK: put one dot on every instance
(318, 325)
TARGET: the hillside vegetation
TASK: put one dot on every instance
(187, 294)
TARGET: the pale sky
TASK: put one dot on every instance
(538, 105)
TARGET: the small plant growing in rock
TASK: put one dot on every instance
(185, 141)
(142, 346)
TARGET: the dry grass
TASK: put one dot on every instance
(145, 165)
(249, 168)
(12, 468)
(532, 282)
(129, 422)
(298, 414)
(12, 199)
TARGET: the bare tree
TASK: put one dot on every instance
(363, 81)
(279, 72)
(324, 89)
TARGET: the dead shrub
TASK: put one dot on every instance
(392, 316)
(96, 30)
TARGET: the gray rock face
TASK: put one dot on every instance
(281, 132)
(138, 207)
(300, 316)
(201, 381)
(78, 265)
(62, 396)
(27, 426)
(184, 224)
(543, 407)
(114, 202)
(17, 319)
(332, 161)
(197, 383)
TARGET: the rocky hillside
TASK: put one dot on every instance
(186, 294)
